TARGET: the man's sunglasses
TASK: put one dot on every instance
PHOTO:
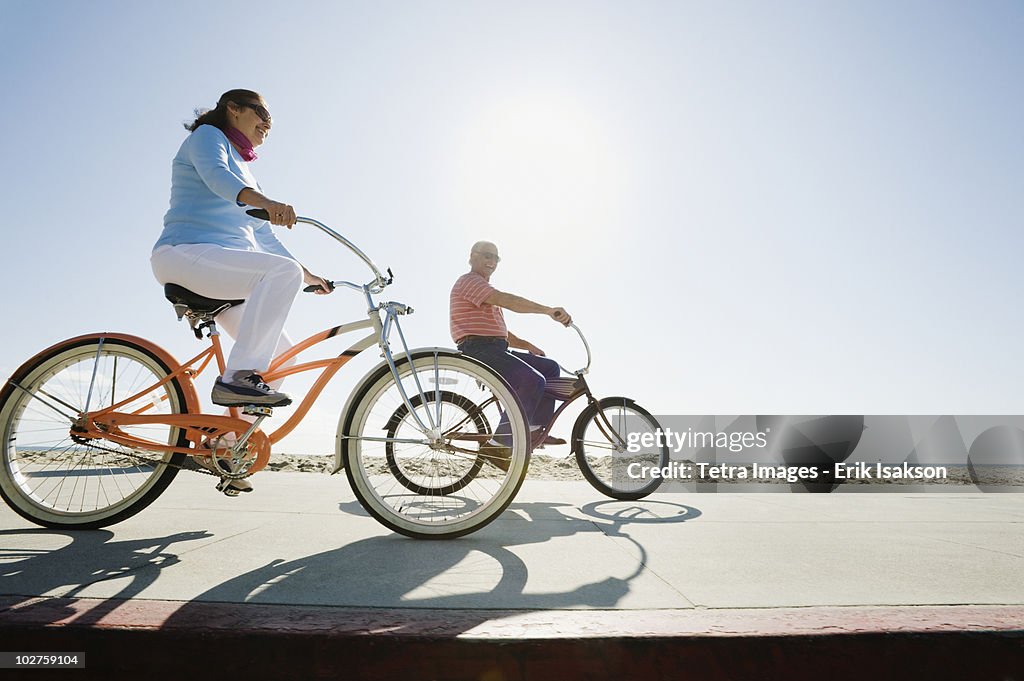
(260, 110)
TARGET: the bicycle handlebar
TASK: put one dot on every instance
(379, 282)
(586, 345)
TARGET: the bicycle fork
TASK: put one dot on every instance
(392, 311)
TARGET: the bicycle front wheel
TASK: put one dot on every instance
(607, 441)
(56, 478)
(452, 477)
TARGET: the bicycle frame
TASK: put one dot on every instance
(602, 423)
(106, 423)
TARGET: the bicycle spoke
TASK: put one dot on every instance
(36, 397)
(599, 444)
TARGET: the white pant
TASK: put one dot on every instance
(267, 282)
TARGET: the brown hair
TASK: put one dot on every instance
(218, 116)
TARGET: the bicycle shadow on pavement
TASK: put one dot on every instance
(483, 571)
(89, 558)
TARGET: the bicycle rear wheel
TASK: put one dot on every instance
(56, 478)
(453, 437)
(602, 439)
(431, 471)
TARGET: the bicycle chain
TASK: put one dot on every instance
(194, 467)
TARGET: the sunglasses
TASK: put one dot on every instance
(260, 111)
(488, 256)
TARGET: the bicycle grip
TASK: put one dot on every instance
(258, 213)
(313, 288)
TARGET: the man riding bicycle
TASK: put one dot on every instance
(478, 328)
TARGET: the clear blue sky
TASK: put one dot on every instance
(787, 207)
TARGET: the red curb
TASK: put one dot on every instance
(141, 614)
(167, 639)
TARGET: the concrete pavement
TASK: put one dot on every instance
(781, 577)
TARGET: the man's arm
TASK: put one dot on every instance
(518, 343)
(519, 304)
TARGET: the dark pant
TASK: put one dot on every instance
(526, 373)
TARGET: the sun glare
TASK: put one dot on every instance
(538, 167)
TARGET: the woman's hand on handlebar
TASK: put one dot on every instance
(280, 213)
(323, 286)
(277, 213)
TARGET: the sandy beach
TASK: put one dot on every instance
(542, 467)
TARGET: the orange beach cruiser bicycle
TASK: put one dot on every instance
(96, 427)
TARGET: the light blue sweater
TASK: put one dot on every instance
(206, 176)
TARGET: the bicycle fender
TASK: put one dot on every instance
(191, 398)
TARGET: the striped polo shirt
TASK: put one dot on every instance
(469, 315)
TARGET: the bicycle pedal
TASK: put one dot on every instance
(225, 486)
(228, 489)
(257, 410)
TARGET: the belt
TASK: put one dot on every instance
(466, 339)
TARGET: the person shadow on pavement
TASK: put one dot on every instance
(89, 558)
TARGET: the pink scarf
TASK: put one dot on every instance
(242, 143)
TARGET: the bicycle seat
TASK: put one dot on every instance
(201, 306)
(562, 388)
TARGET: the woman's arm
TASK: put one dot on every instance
(280, 213)
(208, 153)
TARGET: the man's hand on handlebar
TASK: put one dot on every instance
(560, 315)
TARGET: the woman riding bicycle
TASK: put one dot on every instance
(211, 247)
